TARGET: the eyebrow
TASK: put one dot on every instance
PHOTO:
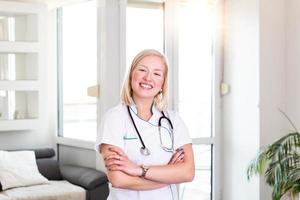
(156, 69)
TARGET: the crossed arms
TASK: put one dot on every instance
(123, 173)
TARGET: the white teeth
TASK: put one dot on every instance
(146, 86)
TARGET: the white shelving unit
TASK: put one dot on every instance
(22, 65)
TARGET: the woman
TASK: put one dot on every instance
(145, 160)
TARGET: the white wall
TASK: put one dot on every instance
(272, 76)
(269, 73)
(293, 61)
(272, 69)
(26, 139)
(240, 134)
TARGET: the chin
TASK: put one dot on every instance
(145, 96)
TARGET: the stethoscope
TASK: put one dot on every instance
(144, 150)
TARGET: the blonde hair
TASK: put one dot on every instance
(161, 99)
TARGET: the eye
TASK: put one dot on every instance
(157, 74)
(141, 70)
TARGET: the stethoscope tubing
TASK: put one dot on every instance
(164, 117)
(144, 148)
(137, 131)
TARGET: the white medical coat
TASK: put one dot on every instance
(117, 129)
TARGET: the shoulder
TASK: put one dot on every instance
(117, 112)
(172, 114)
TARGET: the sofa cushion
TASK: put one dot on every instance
(19, 169)
(83, 176)
(3, 197)
(49, 168)
(55, 190)
(40, 152)
(44, 153)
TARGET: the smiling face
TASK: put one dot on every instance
(147, 78)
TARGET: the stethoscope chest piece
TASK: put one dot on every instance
(145, 151)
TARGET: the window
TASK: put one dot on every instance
(192, 45)
(77, 57)
(196, 92)
(144, 28)
(201, 187)
(183, 30)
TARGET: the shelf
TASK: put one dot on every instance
(20, 85)
(19, 7)
(20, 124)
(17, 105)
(19, 47)
(22, 65)
(19, 21)
(19, 66)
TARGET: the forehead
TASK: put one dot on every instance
(153, 62)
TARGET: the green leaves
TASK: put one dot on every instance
(280, 165)
(257, 165)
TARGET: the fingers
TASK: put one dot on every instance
(113, 156)
(178, 156)
(179, 149)
(115, 167)
(109, 163)
(115, 153)
(117, 150)
(117, 163)
(114, 161)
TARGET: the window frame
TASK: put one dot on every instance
(112, 31)
(171, 51)
(59, 73)
(60, 139)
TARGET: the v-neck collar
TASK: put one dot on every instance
(154, 110)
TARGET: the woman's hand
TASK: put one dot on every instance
(177, 157)
(117, 160)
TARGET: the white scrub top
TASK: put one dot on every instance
(117, 129)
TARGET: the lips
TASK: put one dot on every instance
(146, 86)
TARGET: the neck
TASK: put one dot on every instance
(144, 108)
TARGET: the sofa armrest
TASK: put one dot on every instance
(87, 178)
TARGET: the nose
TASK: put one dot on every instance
(147, 76)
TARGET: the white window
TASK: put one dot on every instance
(144, 28)
(195, 91)
(183, 30)
(77, 56)
(187, 29)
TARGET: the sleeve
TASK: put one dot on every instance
(111, 130)
(181, 133)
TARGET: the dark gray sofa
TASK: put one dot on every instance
(94, 182)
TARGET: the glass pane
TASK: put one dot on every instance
(200, 188)
(18, 27)
(196, 67)
(144, 28)
(18, 66)
(79, 61)
(18, 105)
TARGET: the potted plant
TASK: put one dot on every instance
(279, 163)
